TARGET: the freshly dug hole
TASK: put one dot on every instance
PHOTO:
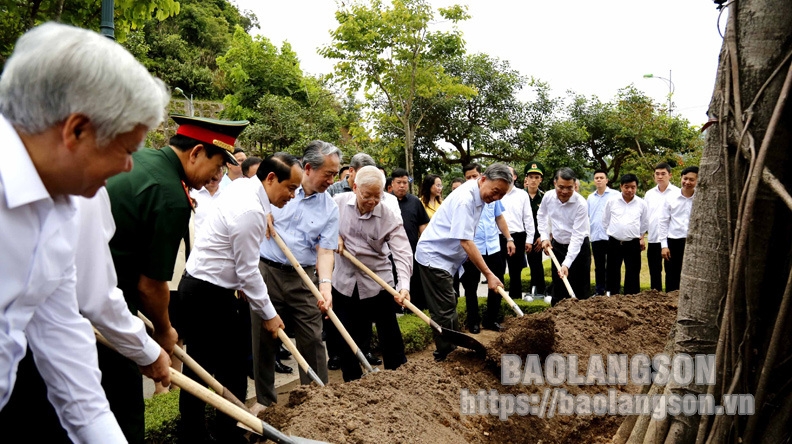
(420, 402)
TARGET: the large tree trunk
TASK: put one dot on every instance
(736, 289)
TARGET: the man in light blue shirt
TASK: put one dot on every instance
(488, 244)
(449, 239)
(599, 238)
(308, 224)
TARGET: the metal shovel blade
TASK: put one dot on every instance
(462, 340)
(277, 436)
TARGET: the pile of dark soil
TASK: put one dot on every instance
(420, 402)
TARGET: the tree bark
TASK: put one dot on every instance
(737, 257)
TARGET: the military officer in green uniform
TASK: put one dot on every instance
(534, 174)
(151, 208)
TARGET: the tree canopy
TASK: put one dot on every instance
(18, 16)
(392, 52)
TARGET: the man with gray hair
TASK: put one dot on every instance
(564, 213)
(449, 239)
(308, 224)
(74, 106)
(370, 232)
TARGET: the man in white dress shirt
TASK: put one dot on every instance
(673, 227)
(655, 199)
(520, 220)
(448, 240)
(625, 220)
(225, 260)
(103, 304)
(66, 130)
(564, 213)
(599, 238)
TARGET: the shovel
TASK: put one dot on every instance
(330, 313)
(452, 336)
(299, 358)
(241, 414)
(558, 267)
(510, 301)
(213, 383)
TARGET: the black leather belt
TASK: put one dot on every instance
(277, 265)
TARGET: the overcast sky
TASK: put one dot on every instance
(591, 47)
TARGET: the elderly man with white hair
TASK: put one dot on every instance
(74, 106)
(370, 231)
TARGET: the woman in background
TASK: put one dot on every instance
(432, 194)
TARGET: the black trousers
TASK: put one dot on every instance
(579, 273)
(213, 332)
(655, 262)
(516, 263)
(439, 290)
(28, 408)
(628, 252)
(599, 249)
(537, 269)
(470, 282)
(357, 315)
(674, 266)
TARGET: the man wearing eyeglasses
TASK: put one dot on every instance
(564, 213)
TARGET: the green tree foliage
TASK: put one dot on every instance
(391, 52)
(478, 126)
(629, 134)
(182, 50)
(17, 16)
(266, 86)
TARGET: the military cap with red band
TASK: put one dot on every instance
(220, 133)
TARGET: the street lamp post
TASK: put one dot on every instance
(191, 108)
(670, 87)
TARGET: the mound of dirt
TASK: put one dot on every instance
(421, 401)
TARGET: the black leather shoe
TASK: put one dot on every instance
(372, 359)
(283, 353)
(494, 327)
(282, 368)
(334, 363)
(440, 356)
(474, 330)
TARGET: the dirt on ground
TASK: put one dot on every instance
(421, 401)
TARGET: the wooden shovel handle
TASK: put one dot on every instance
(392, 290)
(215, 400)
(298, 357)
(193, 365)
(558, 266)
(311, 286)
(510, 301)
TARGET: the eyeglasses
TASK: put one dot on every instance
(569, 188)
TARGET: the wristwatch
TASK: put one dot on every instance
(510, 240)
(325, 281)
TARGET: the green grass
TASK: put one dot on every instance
(525, 277)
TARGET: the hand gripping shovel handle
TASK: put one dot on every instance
(229, 408)
(299, 358)
(193, 365)
(510, 301)
(558, 267)
(330, 313)
(393, 291)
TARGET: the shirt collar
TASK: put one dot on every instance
(376, 212)
(262, 195)
(20, 179)
(475, 191)
(174, 159)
